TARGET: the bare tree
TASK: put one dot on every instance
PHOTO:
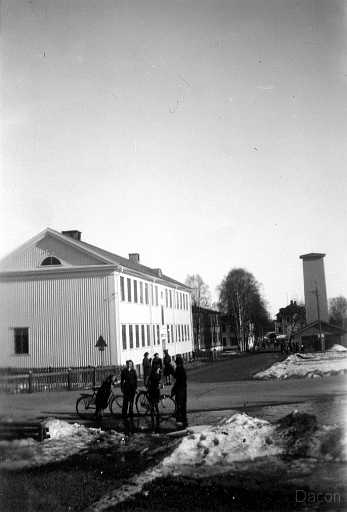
(240, 298)
(201, 298)
(338, 310)
(201, 295)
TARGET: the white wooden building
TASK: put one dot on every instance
(58, 295)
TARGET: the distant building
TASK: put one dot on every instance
(60, 296)
(290, 319)
(207, 328)
(229, 338)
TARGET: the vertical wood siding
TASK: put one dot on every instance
(31, 257)
(65, 317)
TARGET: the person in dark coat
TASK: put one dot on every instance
(103, 395)
(179, 392)
(153, 388)
(128, 385)
(157, 360)
(146, 367)
(168, 369)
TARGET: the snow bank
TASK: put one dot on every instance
(338, 348)
(310, 365)
(244, 438)
(65, 440)
(240, 437)
(58, 429)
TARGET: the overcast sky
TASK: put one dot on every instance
(203, 134)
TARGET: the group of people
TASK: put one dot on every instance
(153, 371)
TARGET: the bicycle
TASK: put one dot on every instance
(166, 404)
(86, 407)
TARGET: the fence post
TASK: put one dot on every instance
(30, 381)
(69, 379)
(94, 376)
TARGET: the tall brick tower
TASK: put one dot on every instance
(316, 301)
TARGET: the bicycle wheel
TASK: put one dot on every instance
(142, 404)
(116, 404)
(85, 407)
(166, 405)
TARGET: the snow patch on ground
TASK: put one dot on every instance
(240, 437)
(58, 429)
(310, 365)
(65, 440)
(338, 348)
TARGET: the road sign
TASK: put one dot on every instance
(101, 344)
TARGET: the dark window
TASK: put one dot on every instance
(143, 335)
(135, 290)
(162, 315)
(51, 260)
(131, 338)
(153, 334)
(158, 335)
(141, 292)
(152, 294)
(146, 293)
(168, 334)
(21, 340)
(148, 335)
(137, 335)
(170, 298)
(166, 298)
(172, 337)
(156, 296)
(129, 289)
(122, 290)
(124, 336)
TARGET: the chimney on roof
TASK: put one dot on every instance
(72, 233)
(134, 257)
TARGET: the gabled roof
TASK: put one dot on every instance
(125, 262)
(105, 257)
(328, 328)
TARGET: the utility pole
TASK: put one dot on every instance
(322, 341)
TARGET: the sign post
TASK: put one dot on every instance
(101, 345)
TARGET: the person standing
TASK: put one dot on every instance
(179, 392)
(168, 369)
(128, 385)
(103, 395)
(157, 361)
(153, 387)
(146, 367)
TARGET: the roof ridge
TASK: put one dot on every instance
(126, 262)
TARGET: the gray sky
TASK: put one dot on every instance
(205, 135)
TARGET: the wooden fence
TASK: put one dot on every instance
(15, 380)
(67, 379)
